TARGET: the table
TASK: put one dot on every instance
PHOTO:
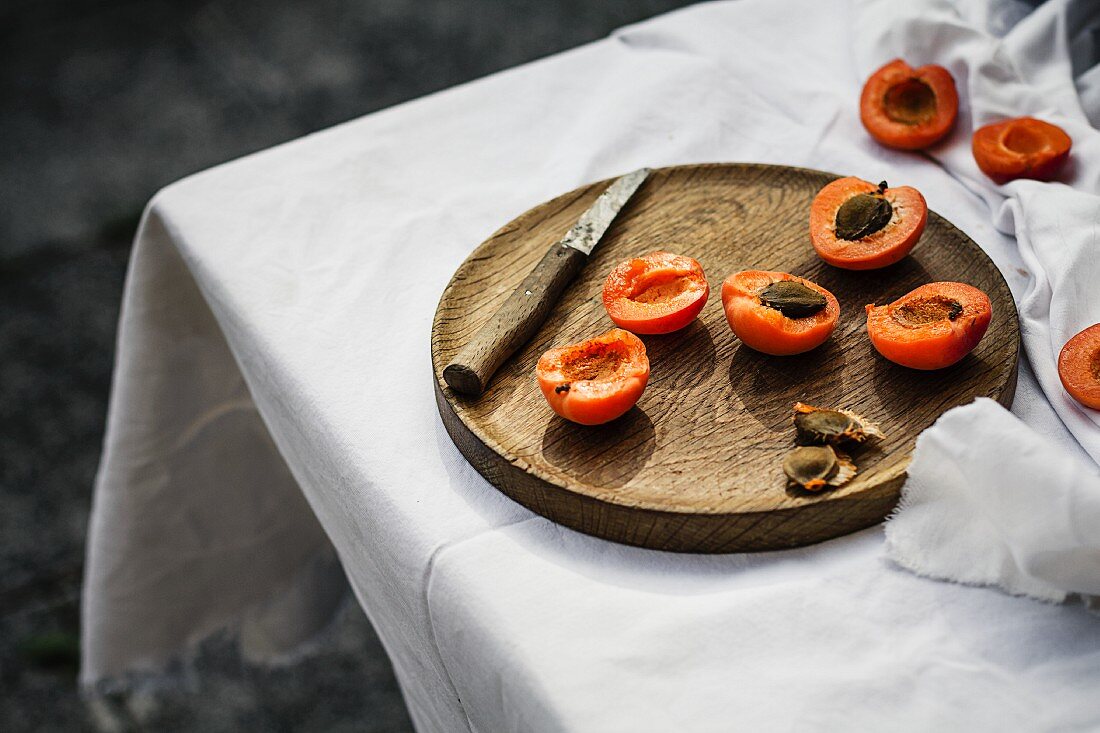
(273, 428)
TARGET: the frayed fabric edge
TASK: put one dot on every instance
(893, 555)
(908, 564)
(1089, 603)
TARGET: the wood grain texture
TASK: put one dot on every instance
(695, 466)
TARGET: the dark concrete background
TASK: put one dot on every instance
(102, 102)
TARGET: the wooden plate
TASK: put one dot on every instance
(695, 466)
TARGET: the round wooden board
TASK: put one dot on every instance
(695, 466)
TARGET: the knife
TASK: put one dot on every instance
(528, 307)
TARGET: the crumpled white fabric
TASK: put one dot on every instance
(283, 303)
(991, 501)
(977, 473)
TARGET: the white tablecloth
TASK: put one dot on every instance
(273, 403)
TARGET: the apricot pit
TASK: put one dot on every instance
(816, 466)
(816, 425)
(792, 299)
(863, 214)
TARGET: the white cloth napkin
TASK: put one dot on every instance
(987, 498)
(990, 501)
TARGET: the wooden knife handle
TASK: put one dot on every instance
(515, 322)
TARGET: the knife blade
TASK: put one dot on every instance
(529, 305)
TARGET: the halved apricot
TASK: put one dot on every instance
(857, 225)
(909, 108)
(931, 327)
(597, 380)
(1079, 367)
(778, 313)
(659, 292)
(1023, 147)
